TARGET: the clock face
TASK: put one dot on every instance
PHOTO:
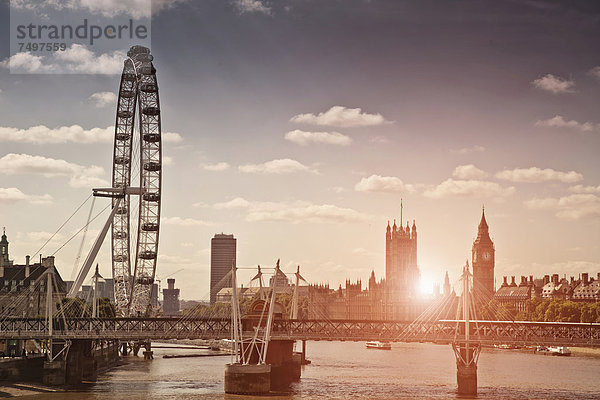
(486, 255)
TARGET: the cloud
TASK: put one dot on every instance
(595, 72)
(185, 222)
(559, 122)
(299, 211)
(536, 175)
(572, 207)
(107, 8)
(467, 172)
(13, 195)
(221, 166)
(469, 150)
(584, 189)
(378, 183)
(281, 166)
(554, 84)
(342, 117)
(41, 134)
(304, 138)
(166, 160)
(79, 176)
(468, 189)
(103, 99)
(25, 62)
(238, 202)
(364, 252)
(252, 6)
(379, 139)
(77, 59)
(170, 137)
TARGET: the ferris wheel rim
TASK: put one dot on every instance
(138, 93)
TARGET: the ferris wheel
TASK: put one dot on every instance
(137, 156)
(138, 87)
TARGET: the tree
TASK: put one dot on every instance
(74, 308)
(569, 311)
(106, 309)
(552, 310)
(540, 311)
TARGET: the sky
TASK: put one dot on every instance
(299, 125)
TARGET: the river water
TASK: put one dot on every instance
(350, 371)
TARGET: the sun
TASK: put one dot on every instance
(426, 287)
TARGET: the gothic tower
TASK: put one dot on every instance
(483, 260)
(401, 270)
(4, 261)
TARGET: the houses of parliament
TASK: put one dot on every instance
(397, 297)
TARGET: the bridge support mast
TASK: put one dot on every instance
(466, 350)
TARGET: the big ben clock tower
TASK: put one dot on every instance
(483, 258)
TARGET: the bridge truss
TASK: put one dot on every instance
(442, 332)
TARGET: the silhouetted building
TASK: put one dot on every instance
(516, 296)
(483, 259)
(4, 260)
(171, 299)
(401, 270)
(587, 289)
(222, 258)
(23, 288)
(447, 288)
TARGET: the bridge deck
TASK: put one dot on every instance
(487, 332)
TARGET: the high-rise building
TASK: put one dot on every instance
(222, 258)
(171, 299)
(483, 260)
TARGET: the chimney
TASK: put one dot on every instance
(505, 283)
(572, 280)
(27, 267)
(546, 279)
(598, 276)
(585, 276)
(523, 281)
(48, 262)
(171, 283)
(531, 280)
(512, 281)
(555, 279)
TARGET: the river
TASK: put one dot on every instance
(350, 371)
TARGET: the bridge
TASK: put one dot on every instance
(442, 331)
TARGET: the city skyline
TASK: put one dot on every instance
(299, 126)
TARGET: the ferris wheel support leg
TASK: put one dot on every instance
(93, 253)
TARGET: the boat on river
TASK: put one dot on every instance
(379, 345)
(553, 351)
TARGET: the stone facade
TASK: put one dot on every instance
(483, 260)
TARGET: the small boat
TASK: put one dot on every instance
(379, 345)
(553, 351)
(560, 351)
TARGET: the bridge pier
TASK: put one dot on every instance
(79, 362)
(467, 355)
(148, 353)
(281, 368)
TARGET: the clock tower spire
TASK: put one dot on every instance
(483, 260)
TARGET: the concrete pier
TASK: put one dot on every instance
(466, 377)
(83, 361)
(251, 379)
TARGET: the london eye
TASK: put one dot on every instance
(139, 148)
